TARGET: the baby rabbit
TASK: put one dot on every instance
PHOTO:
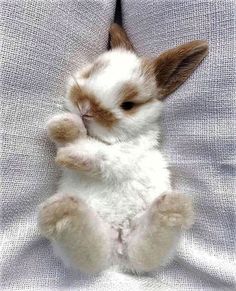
(114, 204)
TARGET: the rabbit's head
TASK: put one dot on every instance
(119, 96)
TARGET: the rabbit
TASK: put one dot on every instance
(114, 204)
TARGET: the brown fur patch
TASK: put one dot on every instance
(93, 68)
(102, 115)
(86, 72)
(174, 66)
(148, 67)
(129, 92)
(64, 131)
(119, 38)
(71, 162)
(55, 209)
(173, 209)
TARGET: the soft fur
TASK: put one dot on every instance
(114, 203)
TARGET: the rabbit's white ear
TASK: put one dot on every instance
(119, 38)
(174, 66)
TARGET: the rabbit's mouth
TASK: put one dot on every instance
(86, 117)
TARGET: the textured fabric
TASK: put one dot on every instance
(44, 41)
(198, 125)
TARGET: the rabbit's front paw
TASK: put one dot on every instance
(74, 160)
(57, 214)
(65, 128)
(173, 210)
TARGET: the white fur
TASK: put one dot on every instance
(124, 172)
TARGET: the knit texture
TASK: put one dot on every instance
(43, 43)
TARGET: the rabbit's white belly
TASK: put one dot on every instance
(117, 203)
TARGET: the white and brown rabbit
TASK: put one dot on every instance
(114, 204)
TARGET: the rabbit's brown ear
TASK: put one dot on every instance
(119, 38)
(174, 66)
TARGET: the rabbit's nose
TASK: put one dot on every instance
(84, 108)
(86, 112)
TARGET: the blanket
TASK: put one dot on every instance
(43, 43)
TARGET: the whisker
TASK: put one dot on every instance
(76, 83)
(80, 110)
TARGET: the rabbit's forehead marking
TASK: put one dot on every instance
(80, 96)
(93, 68)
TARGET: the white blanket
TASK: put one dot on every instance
(43, 42)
